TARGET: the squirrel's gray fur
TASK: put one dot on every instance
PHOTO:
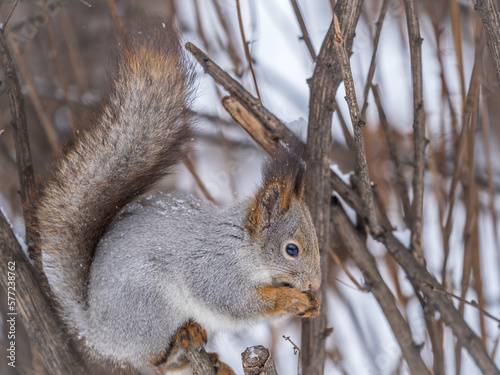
(126, 284)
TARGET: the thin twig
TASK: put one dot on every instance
(231, 45)
(303, 28)
(456, 26)
(371, 70)
(273, 125)
(349, 140)
(25, 71)
(367, 264)
(341, 264)
(419, 141)
(401, 187)
(19, 128)
(296, 350)
(75, 57)
(247, 50)
(3, 26)
(190, 167)
(474, 86)
(116, 20)
(467, 302)
(358, 125)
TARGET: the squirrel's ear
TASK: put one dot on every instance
(265, 207)
(283, 183)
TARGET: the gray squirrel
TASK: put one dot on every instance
(141, 280)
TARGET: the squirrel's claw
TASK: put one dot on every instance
(191, 333)
(313, 308)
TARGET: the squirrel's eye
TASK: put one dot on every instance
(292, 250)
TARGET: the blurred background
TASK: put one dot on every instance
(63, 50)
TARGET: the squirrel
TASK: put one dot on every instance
(139, 280)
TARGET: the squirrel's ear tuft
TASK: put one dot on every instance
(283, 182)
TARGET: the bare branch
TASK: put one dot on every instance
(273, 125)
(200, 361)
(489, 11)
(247, 50)
(34, 308)
(366, 263)
(303, 28)
(257, 361)
(3, 26)
(358, 125)
(391, 145)
(371, 70)
(419, 141)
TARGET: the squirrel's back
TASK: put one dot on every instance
(141, 129)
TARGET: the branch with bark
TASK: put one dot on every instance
(489, 11)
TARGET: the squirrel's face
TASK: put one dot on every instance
(292, 249)
(282, 227)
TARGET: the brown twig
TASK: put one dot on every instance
(247, 50)
(18, 122)
(366, 263)
(11, 10)
(257, 361)
(75, 57)
(296, 350)
(116, 20)
(371, 70)
(399, 179)
(274, 126)
(246, 119)
(19, 130)
(419, 141)
(349, 140)
(358, 126)
(200, 361)
(485, 132)
(24, 69)
(231, 45)
(341, 264)
(34, 308)
(489, 11)
(457, 42)
(317, 195)
(190, 167)
(303, 28)
(467, 302)
(472, 94)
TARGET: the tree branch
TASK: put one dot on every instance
(366, 263)
(257, 361)
(489, 11)
(57, 351)
(419, 141)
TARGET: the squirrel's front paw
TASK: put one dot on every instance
(312, 308)
(191, 333)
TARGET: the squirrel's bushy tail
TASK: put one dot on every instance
(141, 129)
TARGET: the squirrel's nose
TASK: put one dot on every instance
(315, 283)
